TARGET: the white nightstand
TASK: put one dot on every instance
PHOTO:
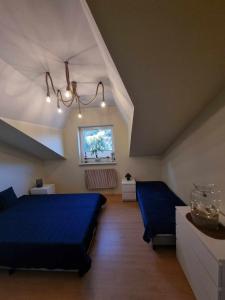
(128, 190)
(45, 189)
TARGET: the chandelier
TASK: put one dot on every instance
(71, 94)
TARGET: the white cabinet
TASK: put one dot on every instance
(45, 189)
(201, 257)
(128, 190)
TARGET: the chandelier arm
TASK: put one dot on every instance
(79, 108)
(60, 98)
(46, 80)
(57, 93)
(48, 76)
(67, 103)
(95, 96)
(67, 74)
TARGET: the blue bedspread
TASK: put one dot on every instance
(49, 231)
(157, 204)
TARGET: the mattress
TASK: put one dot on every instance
(49, 231)
(157, 204)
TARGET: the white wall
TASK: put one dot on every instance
(199, 155)
(69, 176)
(18, 170)
(48, 136)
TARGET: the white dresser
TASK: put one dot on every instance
(45, 189)
(201, 257)
(128, 190)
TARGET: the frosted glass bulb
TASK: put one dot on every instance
(68, 94)
(48, 99)
(80, 116)
(59, 110)
(103, 104)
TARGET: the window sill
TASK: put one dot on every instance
(98, 163)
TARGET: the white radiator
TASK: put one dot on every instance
(100, 179)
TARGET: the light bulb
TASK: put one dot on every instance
(103, 104)
(48, 99)
(68, 94)
(80, 116)
(59, 110)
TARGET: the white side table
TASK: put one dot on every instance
(45, 189)
(128, 190)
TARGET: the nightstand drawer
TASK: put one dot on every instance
(213, 268)
(204, 287)
(130, 188)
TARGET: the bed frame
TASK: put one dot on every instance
(11, 270)
(163, 240)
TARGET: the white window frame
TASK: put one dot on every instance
(93, 160)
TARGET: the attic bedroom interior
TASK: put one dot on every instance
(112, 149)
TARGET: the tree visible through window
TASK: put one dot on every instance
(96, 144)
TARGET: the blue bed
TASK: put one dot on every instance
(49, 231)
(157, 204)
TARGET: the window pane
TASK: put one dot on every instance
(96, 144)
(97, 141)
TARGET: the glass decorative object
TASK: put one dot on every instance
(205, 205)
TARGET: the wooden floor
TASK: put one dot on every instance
(124, 267)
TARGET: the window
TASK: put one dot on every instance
(96, 144)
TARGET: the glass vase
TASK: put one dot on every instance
(205, 205)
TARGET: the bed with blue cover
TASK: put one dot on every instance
(157, 204)
(49, 231)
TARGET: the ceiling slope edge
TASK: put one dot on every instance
(121, 96)
(216, 108)
(48, 140)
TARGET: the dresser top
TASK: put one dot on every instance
(45, 186)
(125, 181)
(215, 246)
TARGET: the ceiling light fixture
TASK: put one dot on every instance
(48, 99)
(103, 104)
(71, 94)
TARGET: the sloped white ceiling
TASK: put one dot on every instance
(169, 54)
(171, 58)
(38, 36)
